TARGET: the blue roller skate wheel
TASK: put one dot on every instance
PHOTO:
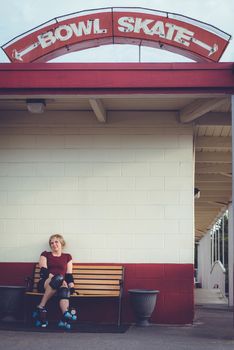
(64, 325)
(70, 316)
(44, 324)
(35, 314)
(38, 323)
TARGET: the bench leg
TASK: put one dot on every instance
(119, 311)
(25, 310)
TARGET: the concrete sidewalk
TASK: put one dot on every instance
(211, 297)
(212, 329)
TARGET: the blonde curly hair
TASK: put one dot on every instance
(59, 237)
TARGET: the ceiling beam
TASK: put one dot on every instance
(215, 199)
(199, 107)
(98, 109)
(203, 203)
(212, 178)
(213, 205)
(213, 157)
(221, 142)
(209, 168)
(221, 186)
(211, 195)
(226, 174)
(215, 119)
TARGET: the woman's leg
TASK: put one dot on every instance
(40, 314)
(64, 295)
(64, 305)
(48, 294)
(67, 314)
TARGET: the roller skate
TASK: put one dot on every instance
(40, 317)
(68, 316)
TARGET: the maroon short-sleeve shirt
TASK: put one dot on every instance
(57, 264)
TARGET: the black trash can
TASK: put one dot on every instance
(11, 303)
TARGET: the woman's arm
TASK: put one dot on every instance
(69, 277)
(69, 266)
(44, 273)
(43, 262)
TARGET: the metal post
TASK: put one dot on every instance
(215, 244)
(230, 256)
(223, 221)
(140, 53)
(212, 246)
(231, 247)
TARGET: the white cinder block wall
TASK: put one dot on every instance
(118, 192)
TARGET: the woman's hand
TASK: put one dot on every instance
(64, 284)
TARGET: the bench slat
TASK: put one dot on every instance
(97, 281)
(100, 277)
(80, 295)
(97, 292)
(97, 272)
(114, 279)
(97, 276)
(97, 286)
(96, 267)
(88, 276)
(99, 267)
(90, 272)
(88, 281)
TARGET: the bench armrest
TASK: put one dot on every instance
(28, 284)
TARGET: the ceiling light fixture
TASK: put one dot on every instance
(197, 193)
(36, 106)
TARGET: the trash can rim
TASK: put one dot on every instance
(143, 291)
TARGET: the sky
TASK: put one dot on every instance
(18, 16)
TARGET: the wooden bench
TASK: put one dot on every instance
(91, 281)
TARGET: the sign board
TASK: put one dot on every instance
(175, 33)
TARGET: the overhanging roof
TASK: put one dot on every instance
(198, 93)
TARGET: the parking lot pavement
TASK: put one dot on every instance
(212, 329)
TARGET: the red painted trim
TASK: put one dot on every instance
(175, 303)
(116, 66)
(116, 78)
(12, 273)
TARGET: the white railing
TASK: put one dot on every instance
(217, 277)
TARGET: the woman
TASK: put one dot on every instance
(55, 278)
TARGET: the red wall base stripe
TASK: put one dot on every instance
(175, 303)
